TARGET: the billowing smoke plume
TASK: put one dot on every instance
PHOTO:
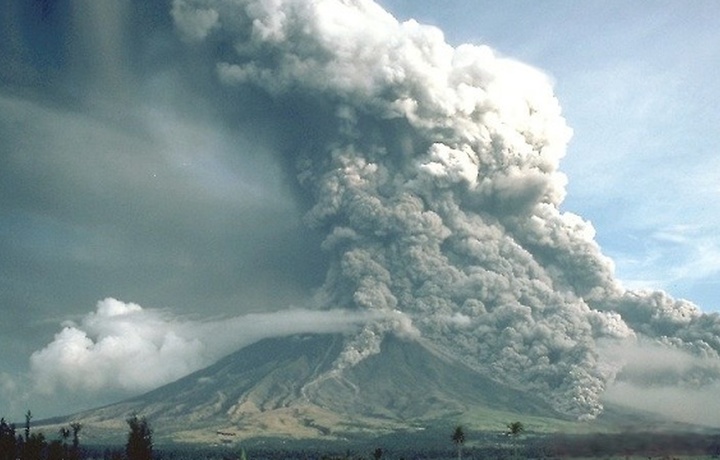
(433, 171)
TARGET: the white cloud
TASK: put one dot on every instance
(664, 379)
(642, 356)
(122, 346)
(195, 24)
(684, 404)
(670, 256)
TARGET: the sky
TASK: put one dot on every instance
(144, 206)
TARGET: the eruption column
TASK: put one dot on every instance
(433, 171)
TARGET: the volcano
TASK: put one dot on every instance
(356, 171)
(287, 388)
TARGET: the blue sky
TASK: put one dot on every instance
(638, 84)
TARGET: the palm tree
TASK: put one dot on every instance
(28, 417)
(515, 429)
(65, 435)
(458, 438)
(76, 427)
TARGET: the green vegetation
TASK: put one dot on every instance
(507, 441)
(487, 419)
(515, 429)
(34, 446)
(458, 437)
(140, 444)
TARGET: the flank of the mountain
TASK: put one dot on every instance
(289, 388)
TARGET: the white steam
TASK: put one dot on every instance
(124, 347)
(663, 377)
(434, 172)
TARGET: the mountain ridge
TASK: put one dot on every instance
(288, 388)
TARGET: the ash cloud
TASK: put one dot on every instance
(433, 172)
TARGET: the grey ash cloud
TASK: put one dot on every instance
(433, 171)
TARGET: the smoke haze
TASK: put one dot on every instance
(420, 180)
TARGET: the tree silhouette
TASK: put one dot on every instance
(139, 445)
(64, 433)
(75, 451)
(8, 444)
(377, 453)
(515, 429)
(34, 447)
(458, 438)
(28, 417)
(56, 450)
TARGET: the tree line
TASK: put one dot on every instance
(31, 445)
(28, 444)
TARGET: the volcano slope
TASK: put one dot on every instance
(287, 388)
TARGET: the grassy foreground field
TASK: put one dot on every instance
(270, 450)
